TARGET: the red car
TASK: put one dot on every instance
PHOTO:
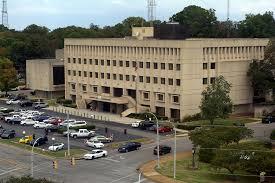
(164, 129)
(54, 120)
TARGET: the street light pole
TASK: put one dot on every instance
(68, 135)
(175, 152)
(158, 164)
(32, 155)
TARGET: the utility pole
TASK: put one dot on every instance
(5, 19)
(152, 11)
(228, 10)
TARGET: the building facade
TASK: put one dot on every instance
(46, 76)
(167, 77)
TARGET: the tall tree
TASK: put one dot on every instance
(216, 102)
(8, 76)
(197, 21)
(35, 29)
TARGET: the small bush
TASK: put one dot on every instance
(70, 105)
(272, 135)
(195, 117)
(187, 127)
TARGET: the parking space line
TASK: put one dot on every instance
(113, 160)
(123, 178)
(142, 180)
(9, 171)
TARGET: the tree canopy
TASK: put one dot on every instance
(8, 76)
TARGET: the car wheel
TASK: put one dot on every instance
(126, 150)
(104, 155)
(92, 157)
(74, 136)
(12, 123)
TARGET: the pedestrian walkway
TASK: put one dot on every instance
(92, 114)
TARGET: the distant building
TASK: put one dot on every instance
(143, 73)
(46, 76)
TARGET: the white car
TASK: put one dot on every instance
(98, 153)
(102, 139)
(78, 124)
(28, 121)
(94, 144)
(41, 125)
(66, 122)
(56, 147)
(136, 124)
(9, 102)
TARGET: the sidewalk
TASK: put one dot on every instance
(148, 169)
(92, 114)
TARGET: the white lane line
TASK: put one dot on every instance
(113, 160)
(123, 178)
(13, 170)
(142, 180)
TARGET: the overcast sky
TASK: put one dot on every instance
(60, 13)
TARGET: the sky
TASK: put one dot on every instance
(61, 13)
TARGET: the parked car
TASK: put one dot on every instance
(67, 121)
(164, 129)
(41, 125)
(28, 121)
(136, 124)
(145, 125)
(3, 115)
(82, 133)
(102, 139)
(98, 153)
(52, 128)
(94, 144)
(41, 118)
(12, 117)
(40, 105)
(56, 147)
(40, 141)
(152, 128)
(15, 121)
(77, 124)
(163, 149)
(26, 103)
(12, 101)
(26, 139)
(54, 120)
(8, 134)
(130, 146)
(268, 119)
(65, 133)
(2, 130)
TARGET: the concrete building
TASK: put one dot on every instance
(46, 76)
(167, 77)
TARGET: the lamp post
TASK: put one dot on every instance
(193, 157)
(158, 164)
(32, 155)
(175, 151)
(53, 139)
(68, 135)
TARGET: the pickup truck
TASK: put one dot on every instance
(82, 133)
(11, 117)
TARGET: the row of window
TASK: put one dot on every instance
(141, 79)
(206, 82)
(133, 64)
(212, 66)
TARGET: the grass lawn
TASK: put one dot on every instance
(141, 140)
(228, 121)
(59, 154)
(204, 174)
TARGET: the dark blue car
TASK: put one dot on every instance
(41, 118)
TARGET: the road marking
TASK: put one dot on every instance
(123, 178)
(142, 180)
(13, 170)
(113, 160)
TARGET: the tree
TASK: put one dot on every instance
(216, 102)
(8, 76)
(26, 180)
(35, 29)
(270, 52)
(261, 77)
(258, 26)
(197, 21)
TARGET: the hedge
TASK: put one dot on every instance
(187, 127)
(272, 135)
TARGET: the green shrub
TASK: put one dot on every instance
(70, 105)
(272, 135)
(59, 99)
(187, 127)
(195, 117)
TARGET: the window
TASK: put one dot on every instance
(108, 76)
(121, 63)
(74, 60)
(162, 66)
(213, 65)
(160, 97)
(74, 72)
(175, 99)
(141, 79)
(91, 74)
(114, 76)
(205, 81)
(85, 61)
(79, 73)
(146, 95)
(121, 77)
(205, 66)
(73, 86)
(170, 81)
(178, 82)
(69, 60)
(114, 62)
(140, 64)
(91, 61)
(79, 60)
(148, 65)
(127, 64)
(134, 64)
(133, 78)
(96, 74)
(84, 88)
(212, 80)
(108, 62)
(102, 62)
(155, 80)
(106, 89)
(127, 78)
(170, 66)
(102, 75)
(148, 80)
(95, 89)
(155, 65)
(69, 72)
(96, 61)
(162, 81)
(178, 67)
(85, 73)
